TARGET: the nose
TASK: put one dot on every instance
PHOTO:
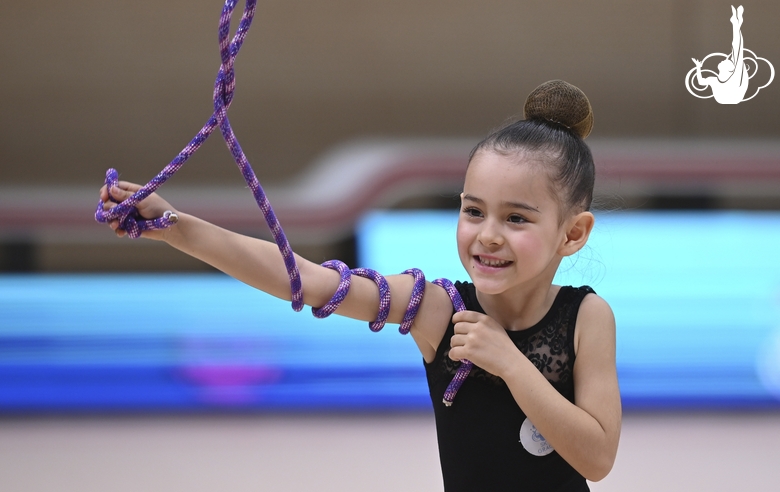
(490, 234)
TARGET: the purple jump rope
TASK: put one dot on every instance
(224, 86)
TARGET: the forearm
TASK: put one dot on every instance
(574, 433)
(253, 261)
(260, 264)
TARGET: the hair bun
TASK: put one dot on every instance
(560, 102)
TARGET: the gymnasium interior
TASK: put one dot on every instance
(127, 365)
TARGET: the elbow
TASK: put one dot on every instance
(599, 468)
(598, 475)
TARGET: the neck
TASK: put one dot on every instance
(523, 306)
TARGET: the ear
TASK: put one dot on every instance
(577, 230)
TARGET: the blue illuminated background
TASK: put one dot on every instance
(696, 297)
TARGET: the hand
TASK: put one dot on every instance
(480, 339)
(151, 207)
(697, 62)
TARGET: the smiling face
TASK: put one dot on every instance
(509, 232)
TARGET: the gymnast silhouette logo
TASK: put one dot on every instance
(730, 84)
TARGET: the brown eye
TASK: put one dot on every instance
(472, 212)
(516, 219)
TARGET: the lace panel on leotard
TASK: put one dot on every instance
(548, 344)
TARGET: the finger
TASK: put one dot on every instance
(127, 185)
(463, 327)
(109, 203)
(114, 224)
(457, 341)
(467, 316)
(122, 190)
(455, 354)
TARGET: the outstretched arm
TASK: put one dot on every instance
(259, 263)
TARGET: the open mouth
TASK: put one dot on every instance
(492, 262)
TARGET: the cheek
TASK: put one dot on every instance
(528, 244)
(464, 237)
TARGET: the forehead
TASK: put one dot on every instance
(520, 177)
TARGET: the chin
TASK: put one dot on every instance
(490, 287)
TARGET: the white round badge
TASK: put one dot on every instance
(532, 441)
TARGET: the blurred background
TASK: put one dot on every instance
(358, 118)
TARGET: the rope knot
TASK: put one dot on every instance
(127, 214)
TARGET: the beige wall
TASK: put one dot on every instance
(89, 84)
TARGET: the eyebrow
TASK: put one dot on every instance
(520, 205)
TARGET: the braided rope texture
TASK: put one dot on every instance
(465, 365)
(224, 87)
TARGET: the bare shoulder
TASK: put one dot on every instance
(595, 320)
(594, 306)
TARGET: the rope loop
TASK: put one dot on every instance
(131, 220)
(384, 296)
(224, 87)
(418, 290)
(341, 291)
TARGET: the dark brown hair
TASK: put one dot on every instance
(558, 117)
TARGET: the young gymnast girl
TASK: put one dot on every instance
(540, 411)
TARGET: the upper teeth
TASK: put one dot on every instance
(493, 263)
